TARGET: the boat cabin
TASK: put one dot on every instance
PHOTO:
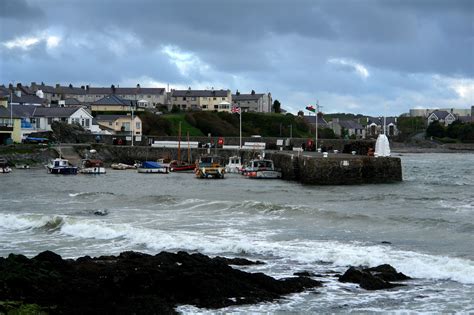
(262, 164)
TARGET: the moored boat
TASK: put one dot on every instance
(234, 165)
(92, 166)
(4, 168)
(210, 167)
(152, 167)
(261, 169)
(180, 166)
(61, 166)
(122, 166)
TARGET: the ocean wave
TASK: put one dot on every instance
(26, 222)
(233, 241)
(90, 194)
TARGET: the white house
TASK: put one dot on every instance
(444, 117)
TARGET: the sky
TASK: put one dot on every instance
(361, 56)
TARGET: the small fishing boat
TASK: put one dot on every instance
(61, 166)
(210, 167)
(122, 166)
(234, 165)
(4, 168)
(22, 166)
(91, 166)
(180, 166)
(261, 169)
(152, 167)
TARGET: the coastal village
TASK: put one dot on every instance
(104, 111)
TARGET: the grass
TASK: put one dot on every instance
(185, 126)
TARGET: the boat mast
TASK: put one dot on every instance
(189, 148)
(179, 143)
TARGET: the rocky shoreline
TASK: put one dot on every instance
(144, 284)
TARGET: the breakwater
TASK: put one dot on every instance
(307, 168)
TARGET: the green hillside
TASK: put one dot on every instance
(225, 124)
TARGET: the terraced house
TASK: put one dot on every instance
(253, 102)
(206, 100)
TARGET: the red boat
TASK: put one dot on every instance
(180, 166)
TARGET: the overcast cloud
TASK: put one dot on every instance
(369, 57)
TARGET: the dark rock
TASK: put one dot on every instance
(305, 274)
(136, 283)
(238, 261)
(374, 278)
(385, 242)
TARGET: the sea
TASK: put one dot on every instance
(423, 226)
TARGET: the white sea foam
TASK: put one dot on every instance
(301, 251)
(11, 222)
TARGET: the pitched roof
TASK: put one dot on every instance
(111, 117)
(350, 124)
(24, 110)
(441, 114)
(199, 93)
(125, 90)
(5, 113)
(312, 120)
(55, 111)
(72, 101)
(114, 100)
(380, 120)
(246, 97)
(27, 99)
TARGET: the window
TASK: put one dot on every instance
(223, 98)
(126, 126)
(63, 119)
(193, 98)
(149, 96)
(110, 123)
(50, 120)
(184, 98)
(137, 125)
(204, 106)
(214, 98)
(216, 106)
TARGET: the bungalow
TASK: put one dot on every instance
(120, 124)
(352, 127)
(444, 117)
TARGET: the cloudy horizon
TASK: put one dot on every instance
(368, 57)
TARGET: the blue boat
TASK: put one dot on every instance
(61, 166)
(153, 167)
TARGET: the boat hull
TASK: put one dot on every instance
(210, 173)
(93, 170)
(159, 170)
(264, 175)
(5, 170)
(62, 170)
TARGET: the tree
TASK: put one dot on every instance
(301, 113)
(175, 109)
(435, 129)
(276, 106)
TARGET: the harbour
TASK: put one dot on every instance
(421, 226)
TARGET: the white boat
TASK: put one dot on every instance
(152, 167)
(90, 166)
(234, 165)
(122, 166)
(22, 166)
(261, 169)
(61, 166)
(4, 168)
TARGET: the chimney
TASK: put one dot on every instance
(57, 85)
(18, 93)
(138, 85)
(87, 87)
(33, 84)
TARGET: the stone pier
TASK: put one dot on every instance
(305, 167)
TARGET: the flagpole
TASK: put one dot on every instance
(316, 133)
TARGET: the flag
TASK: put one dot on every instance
(235, 109)
(311, 108)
